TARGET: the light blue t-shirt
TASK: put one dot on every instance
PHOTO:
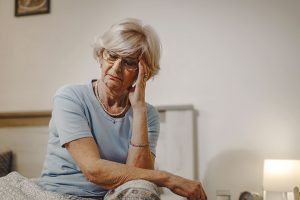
(77, 114)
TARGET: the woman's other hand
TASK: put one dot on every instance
(137, 92)
(190, 189)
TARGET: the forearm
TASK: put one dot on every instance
(140, 156)
(110, 174)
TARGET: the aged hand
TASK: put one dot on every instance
(137, 92)
(190, 189)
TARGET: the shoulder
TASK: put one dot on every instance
(73, 91)
(152, 113)
(76, 93)
(151, 109)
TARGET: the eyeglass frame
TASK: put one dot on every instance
(124, 60)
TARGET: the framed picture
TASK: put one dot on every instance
(31, 7)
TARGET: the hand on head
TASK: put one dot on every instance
(137, 91)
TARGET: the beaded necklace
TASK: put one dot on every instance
(104, 106)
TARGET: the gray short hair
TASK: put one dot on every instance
(130, 36)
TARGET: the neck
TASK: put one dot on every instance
(114, 105)
(110, 97)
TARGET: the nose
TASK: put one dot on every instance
(117, 66)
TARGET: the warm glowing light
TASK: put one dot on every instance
(281, 175)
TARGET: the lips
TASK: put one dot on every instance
(115, 78)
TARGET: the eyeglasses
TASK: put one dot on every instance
(129, 64)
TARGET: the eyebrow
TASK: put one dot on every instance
(114, 53)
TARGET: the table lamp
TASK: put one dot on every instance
(281, 176)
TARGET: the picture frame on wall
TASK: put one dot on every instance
(31, 7)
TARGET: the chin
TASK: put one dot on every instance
(113, 86)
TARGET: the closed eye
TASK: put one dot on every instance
(130, 62)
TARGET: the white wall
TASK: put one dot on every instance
(236, 61)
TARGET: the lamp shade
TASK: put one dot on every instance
(281, 175)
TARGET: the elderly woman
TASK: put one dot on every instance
(103, 134)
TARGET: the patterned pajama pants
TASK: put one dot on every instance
(17, 187)
(134, 190)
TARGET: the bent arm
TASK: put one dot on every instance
(110, 174)
(140, 156)
(106, 173)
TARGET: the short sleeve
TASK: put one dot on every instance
(69, 118)
(153, 128)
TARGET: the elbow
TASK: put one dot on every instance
(150, 165)
(93, 173)
(94, 176)
(104, 179)
(90, 174)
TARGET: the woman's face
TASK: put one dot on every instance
(119, 73)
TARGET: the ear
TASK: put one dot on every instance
(149, 74)
(99, 54)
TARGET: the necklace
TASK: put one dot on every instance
(104, 106)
